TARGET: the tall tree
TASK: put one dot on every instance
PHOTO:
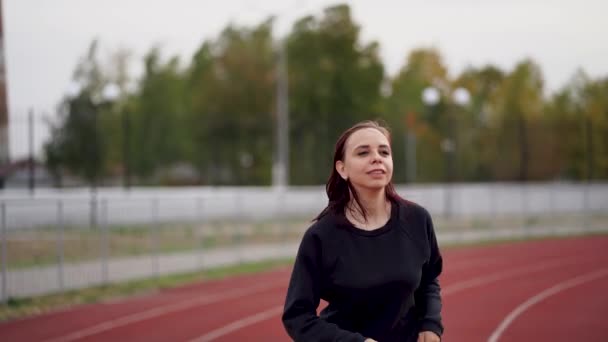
(231, 91)
(477, 149)
(424, 67)
(580, 112)
(76, 143)
(334, 81)
(521, 101)
(160, 132)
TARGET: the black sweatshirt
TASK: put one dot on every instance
(379, 284)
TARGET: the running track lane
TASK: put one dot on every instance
(503, 264)
(81, 318)
(474, 315)
(575, 309)
(267, 327)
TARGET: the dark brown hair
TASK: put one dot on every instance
(339, 190)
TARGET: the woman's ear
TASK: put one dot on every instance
(341, 170)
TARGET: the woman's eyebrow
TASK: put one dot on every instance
(367, 146)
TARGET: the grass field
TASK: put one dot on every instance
(45, 246)
(23, 307)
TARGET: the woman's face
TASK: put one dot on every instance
(368, 160)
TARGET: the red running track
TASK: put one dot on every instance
(552, 290)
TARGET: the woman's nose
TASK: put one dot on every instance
(375, 157)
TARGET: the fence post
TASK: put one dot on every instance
(586, 205)
(200, 202)
(4, 254)
(239, 246)
(524, 208)
(284, 217)
(284, 228)
(493, 218)
(154, 230)
(93, 210)
(447, 200)
(60, 247)
(104, 240)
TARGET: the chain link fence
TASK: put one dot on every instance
(59, 240)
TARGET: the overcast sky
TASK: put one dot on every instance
(45, 38)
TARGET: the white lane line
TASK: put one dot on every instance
(488, 261)
(163, 310)
(460, 286)
(469, 264)
(152, 313)
(496, 276)
(572, 282)
(239, 324)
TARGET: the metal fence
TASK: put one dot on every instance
(57, 240)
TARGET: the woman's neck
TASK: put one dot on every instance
(377, 209)
(373, 202)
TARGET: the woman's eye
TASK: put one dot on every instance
(385, 153)
(362, 153)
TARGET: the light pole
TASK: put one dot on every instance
(431, 96)
(87, 107)
(460, 97)
(410, 147)
(280, 170)
(31, 159)
(112, 93)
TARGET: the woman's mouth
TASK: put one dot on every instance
(376, 172)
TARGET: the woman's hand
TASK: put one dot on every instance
(428, 336)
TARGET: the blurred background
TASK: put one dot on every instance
(145, 138)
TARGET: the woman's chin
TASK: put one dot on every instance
(374, 185)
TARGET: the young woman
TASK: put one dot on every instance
(370, 254)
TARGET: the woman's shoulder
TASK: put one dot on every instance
(409, 210)
(322, 225)
(415, 221)
(324, 228)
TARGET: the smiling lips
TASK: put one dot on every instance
(376, 172)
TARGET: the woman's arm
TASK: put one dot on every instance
(303, 295)
(428, 294)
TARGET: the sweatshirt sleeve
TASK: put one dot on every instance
(428, 294)
(303, 295)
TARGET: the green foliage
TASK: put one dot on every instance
(159, 118)
(215, 117)
(334, 82)
(231, 89)
(76, 141)
(423, 68)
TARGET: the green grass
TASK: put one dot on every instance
(23, 307)
(38, 247)
(500, 241)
